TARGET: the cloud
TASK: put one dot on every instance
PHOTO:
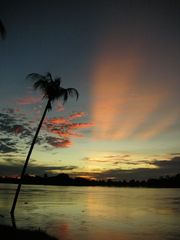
(60, 120)
(172, 164)
(57, 142)
(56, 170)
(159, 126)
(29, 100)
(15, 131)
(77, 115)
(120, 158)
(139, 173)
(59, 107)
(65, 128)
(6, 147)
(13, 167)
(20, 129)
(124, 101)
(174, 154)
(67, 120)
(79, 125)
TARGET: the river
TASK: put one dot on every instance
(90, 213)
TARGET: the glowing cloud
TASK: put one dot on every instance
(123, 101)
(59, 121)
(64, 128)
(77, 115)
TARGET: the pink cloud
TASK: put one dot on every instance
(63, 126)
(65, 133)
(80, 125)
(63, 129)
(59, 121)
(64, 143)
(29, 100)
(77, 115)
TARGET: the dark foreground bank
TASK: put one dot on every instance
(8, 233)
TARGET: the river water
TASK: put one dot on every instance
(90, 213)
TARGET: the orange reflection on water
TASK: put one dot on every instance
(63, 231)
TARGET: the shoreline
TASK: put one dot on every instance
(9, 233)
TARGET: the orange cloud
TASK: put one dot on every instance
(64, 128)
(79, 125)
(59, 121)
(159, 126)
(77, 115)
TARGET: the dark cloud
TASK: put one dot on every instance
(116, 160)
(118, 156)
(58, 142)
(6, 149)
(14, 131)
(173, 164)
(163, 167)
(13, 167)
(61, 168)
(157, 169)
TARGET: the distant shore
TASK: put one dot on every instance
(9, 233)
(65, 180)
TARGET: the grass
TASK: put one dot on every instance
(8, 232)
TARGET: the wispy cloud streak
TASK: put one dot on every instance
(123, 100)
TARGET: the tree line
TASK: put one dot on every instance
(65, 180)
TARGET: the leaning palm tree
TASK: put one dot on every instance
(52, 90)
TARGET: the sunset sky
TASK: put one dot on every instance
(124, 59)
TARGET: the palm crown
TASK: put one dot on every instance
(51, 88)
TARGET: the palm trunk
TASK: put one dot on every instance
(27, 159)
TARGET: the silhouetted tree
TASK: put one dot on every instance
(52, 90)
(2, 30)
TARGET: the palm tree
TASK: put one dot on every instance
(52, 90)
(2, 30)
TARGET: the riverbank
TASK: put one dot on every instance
(9, 233)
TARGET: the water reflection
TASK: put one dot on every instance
(94, 212)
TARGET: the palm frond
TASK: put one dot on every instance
(64, 95)
(35, 76)
(73, 93)
(57, 81)
(49, 76)
(41, 84)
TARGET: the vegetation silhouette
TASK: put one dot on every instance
(8, 232)
(52, 90)
(2, 30)
(65, 180)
